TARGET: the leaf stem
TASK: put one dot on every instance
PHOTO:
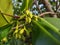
(9, 15)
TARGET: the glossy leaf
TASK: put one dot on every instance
(24, 5)
(44, 39)
(53, 28)
(6, 8)
(5, 30)
(54, 21)
(47, 27)
(30, 3)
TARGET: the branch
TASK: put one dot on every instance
(48, 7)
(42, 14)
(9, 15)
(18, 26)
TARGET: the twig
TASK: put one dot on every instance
(42, 14)
(9, 15)
(48, 7)
(18, 26)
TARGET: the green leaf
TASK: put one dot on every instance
(30, 3)
(45, 37)
(54, 21)
(5, 30)
(50, 29)
(35, 33)
(2, 21)
(24, 5)
(5, 7)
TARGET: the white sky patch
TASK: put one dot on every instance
(20, 3)
(34, 6)
(36, 12)
(41, 5)
(52, 0)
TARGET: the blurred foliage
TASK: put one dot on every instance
(20, 23)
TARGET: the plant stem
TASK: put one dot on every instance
(9, 15)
